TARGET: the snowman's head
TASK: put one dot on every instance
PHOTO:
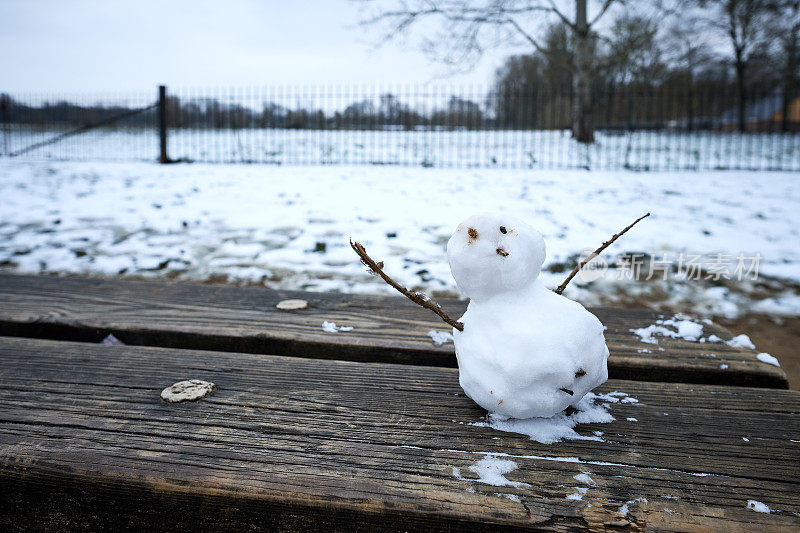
(492, 253)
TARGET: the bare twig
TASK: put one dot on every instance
(416, 297)
(594, 254)
(602, 12)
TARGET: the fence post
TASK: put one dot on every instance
(162, 123)
(4, 121)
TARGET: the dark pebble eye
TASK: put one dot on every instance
(503, 230)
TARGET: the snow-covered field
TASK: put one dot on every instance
(289, 227)
(641, 150)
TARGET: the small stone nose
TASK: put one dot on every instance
(502, 252)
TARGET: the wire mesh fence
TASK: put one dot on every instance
(464, 127)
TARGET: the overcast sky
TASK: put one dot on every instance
(93, 45)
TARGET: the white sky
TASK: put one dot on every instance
(113, 45)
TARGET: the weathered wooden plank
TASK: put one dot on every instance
(386, 329)
(293, 443)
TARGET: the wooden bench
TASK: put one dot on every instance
(335, 437)
(386, 329)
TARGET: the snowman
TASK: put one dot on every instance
(524, 351)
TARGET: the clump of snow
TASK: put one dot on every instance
(676, 328)
(525, 351)
(440, 337)
(723, 366)
(745, 439)
(560, 426)
(757, 506)
(331, 327)
(623, 510)
(616, 397)
(769, 359)
(491, 470)
(579, 494)
(631, 419)
(741, 341)
(584, 478)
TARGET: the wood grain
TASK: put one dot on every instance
(386, 329)
(296, 443)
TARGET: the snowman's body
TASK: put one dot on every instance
(525, 351)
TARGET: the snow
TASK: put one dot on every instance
(584, 477)
(440, 337)
(576, 460)
(578, 495)
(631, 419)
(679, 328)
(745, 439)
(515, 359)
(260, 225)
(616, 397)
(331, 327)
(757, 506)
(723, 366)
(769, 359)
(741, 341)
(682, 328)
(592, 409)
(491, 470)
(531, 150)
(624, 510)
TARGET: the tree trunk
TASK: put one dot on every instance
(582, 129)
(789, 83)
(741, 92)
(690, 108)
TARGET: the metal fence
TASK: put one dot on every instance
(466, 127)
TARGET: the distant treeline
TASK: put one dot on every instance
(383, 111)
(530, 92)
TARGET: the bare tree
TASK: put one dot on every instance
(688, 56)
(634, 54)
(784, 29)
(740, 22)
(469, 27)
